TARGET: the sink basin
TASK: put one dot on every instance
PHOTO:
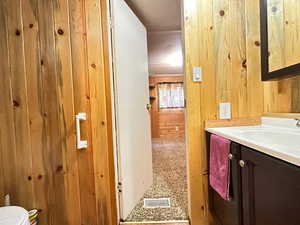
(277, 137)
(273, 137)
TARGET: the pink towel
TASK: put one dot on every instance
(219, 176)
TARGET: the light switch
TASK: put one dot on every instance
(225, 110)
(197, 74)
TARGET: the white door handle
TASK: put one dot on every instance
(80, 143)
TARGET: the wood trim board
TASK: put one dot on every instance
(233, 123)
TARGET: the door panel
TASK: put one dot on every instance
(132, 97)
(271, 190)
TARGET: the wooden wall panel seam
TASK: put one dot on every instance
(66, 104)
(32, 59)
(8, 147)
(52, 152)
(19, 94)
(82, 104)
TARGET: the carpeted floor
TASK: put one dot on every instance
(170, 180)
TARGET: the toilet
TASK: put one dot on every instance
(13, 215)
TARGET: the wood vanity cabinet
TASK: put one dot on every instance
(229, 212)
(270, 190)
(265, 191)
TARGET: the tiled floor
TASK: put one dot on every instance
(170, 180)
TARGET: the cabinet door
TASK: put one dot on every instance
(229, 212)
(271, 190)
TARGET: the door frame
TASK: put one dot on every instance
(114, 162)
(116, 138)
(197, 173)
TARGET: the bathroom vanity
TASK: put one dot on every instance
(265, 175)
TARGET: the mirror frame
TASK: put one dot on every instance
(289, 71)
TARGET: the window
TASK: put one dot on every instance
(171, 95)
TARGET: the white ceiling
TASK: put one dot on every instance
(158, 15)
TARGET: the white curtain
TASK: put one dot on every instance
(171, 95)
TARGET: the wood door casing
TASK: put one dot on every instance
(54, 66)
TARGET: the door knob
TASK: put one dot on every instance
(230, 156)
(242, 163)
(149, 106)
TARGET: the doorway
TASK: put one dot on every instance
(149, 110)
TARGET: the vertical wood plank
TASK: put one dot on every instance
(211, 40)
(107, 75)
(208, 92)
(52, 154)
(36, 119)
(66, 112)
(255, 99)
(41, 67)
(19, 97)
(193, 114)
(82, 104)
(7, 135)
(98, 92)
(2, 190)
(295, 108)
(238, 75)
(222, 51)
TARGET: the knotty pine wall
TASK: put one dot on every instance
(165, 123)
(223, 37)
(53, 65)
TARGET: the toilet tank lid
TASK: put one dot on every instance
(13, 215)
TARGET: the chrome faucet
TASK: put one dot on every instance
(298, 122)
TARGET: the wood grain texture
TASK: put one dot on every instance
(19, 97)
(7, 138)
(233, 123)
(53, 67)
(224, 40)
(165, 123)
(34, 87)
(223, 37)
(55, 63)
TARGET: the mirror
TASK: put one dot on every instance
(280, 38)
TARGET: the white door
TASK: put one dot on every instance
(132, 97)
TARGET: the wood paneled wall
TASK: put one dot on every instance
(223, 37)
(171, 124)
(165, 123)
(54, 64)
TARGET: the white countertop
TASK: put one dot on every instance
(276, 137)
